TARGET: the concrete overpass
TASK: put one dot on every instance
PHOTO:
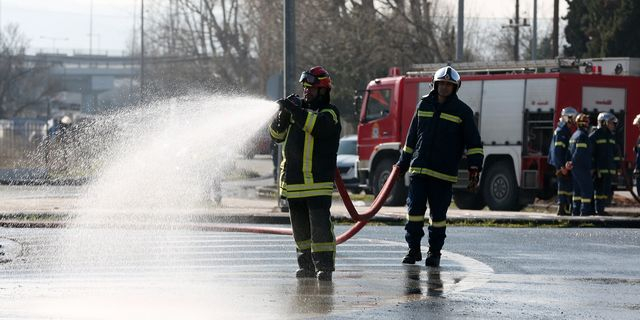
(88, 75)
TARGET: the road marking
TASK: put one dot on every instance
(213, 273)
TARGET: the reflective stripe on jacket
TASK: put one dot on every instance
(581, 150)
(603, 150)
(438, 137)
(310, 145)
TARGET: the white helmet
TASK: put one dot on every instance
(568, 113)
(604, 118)
(447, 74)
(66, 120)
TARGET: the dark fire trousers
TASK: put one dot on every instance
(602, 192)
(565, 192)
(423, 189)
(582, 192)
(313, 232)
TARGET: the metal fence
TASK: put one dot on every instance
(21, 142)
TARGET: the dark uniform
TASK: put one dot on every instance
(637, 168)
(603, 162)
(581, 152)
(558, 156)
(310, 137)
(437, 139)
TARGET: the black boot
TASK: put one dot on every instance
(412, 256)
(433, 259)
(305, 273)
(323, 275)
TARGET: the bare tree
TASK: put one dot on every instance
(23, 84)
(200, 42)
(265, 24)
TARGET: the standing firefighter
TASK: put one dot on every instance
(558, 157)
(603, 153)
(442, 128)
(636, 170)
(581, 152)
(310, 132)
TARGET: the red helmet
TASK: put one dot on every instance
(316, 77)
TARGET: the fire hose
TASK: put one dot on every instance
(361, 219)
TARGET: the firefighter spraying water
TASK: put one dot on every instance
(309, 130)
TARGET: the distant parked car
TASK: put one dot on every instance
(347, 162)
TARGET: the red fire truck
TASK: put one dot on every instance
(517, 105)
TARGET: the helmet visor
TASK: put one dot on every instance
(307, 79)
(447, 74)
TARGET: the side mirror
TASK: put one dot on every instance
(357, 103)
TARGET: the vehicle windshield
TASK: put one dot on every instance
(347, 147)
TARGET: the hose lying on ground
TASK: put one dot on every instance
(361, 219)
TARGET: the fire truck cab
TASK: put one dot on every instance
(516, 106)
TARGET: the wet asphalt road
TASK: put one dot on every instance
(486, 273)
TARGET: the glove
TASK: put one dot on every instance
(282, 103)
(568, 165)
(283, 117)
(295, 100)
(474, 178)
(562, 172)
(290, 103)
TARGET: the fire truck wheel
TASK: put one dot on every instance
(468, 200)
(398, 195)
(499, 187)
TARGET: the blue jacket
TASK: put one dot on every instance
(603, 151)
(581, 150)
(438, 137)
(558, 148)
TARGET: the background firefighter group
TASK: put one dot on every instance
(585, 162)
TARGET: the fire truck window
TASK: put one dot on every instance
(539, 129)
(378, 104)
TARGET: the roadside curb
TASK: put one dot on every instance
(57, 220)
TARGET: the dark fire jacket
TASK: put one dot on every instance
(310, 144)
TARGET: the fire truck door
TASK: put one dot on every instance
(376, 124)
(502, 108)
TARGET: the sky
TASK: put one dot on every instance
(64, 25)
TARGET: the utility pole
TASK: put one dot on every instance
(142, 51)
(91, 27)
(516, 45)
(516, 31)
(288, 76)
(289, 47)
(556, 6)
(460, 34)
(0, 22)
(534, 40)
